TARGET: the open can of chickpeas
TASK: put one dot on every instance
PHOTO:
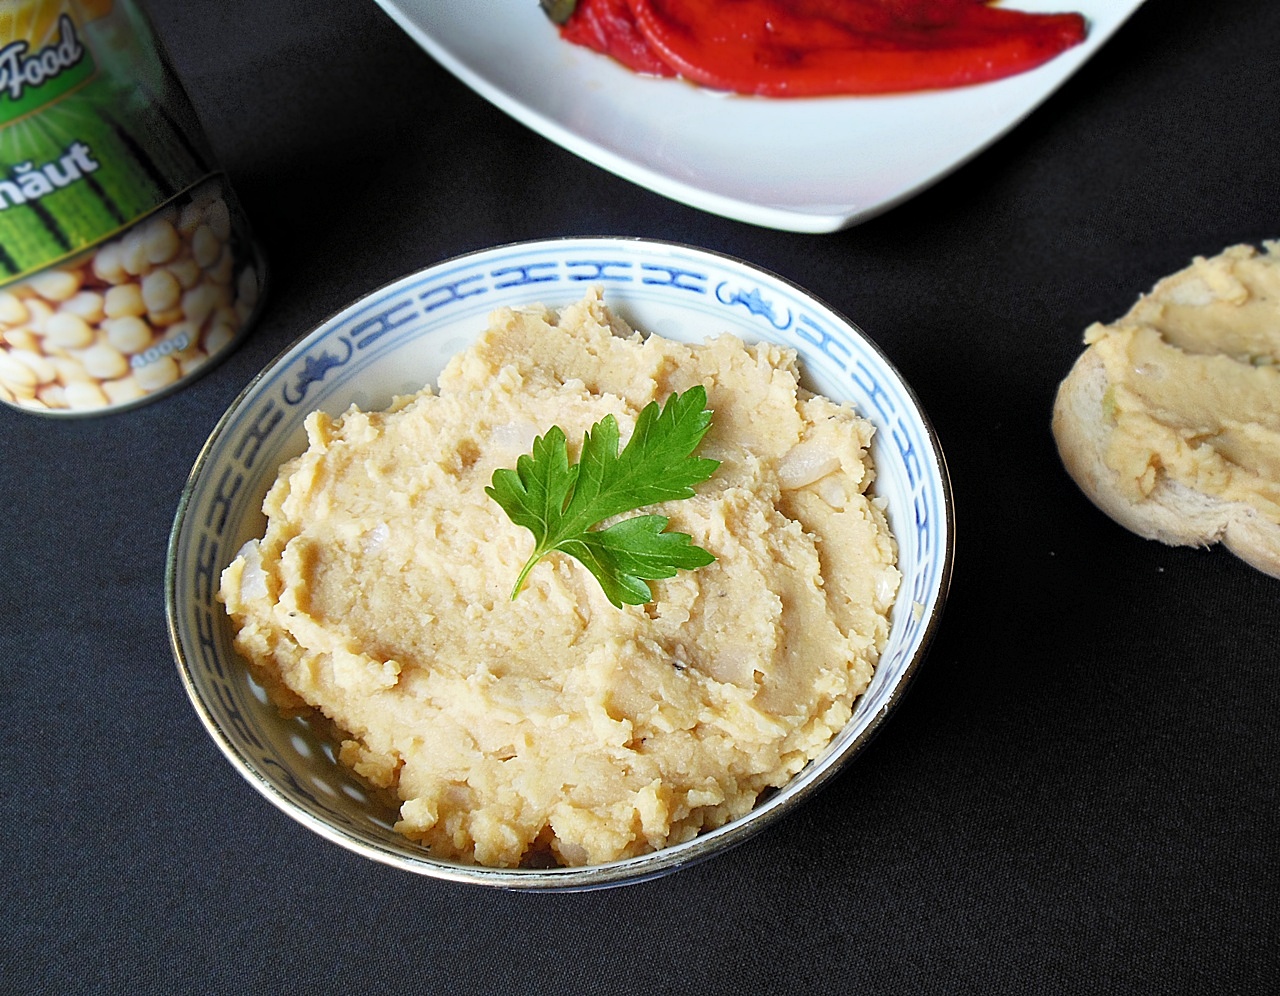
(126, 265)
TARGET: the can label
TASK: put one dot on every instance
(94, 133)
(29, 79)
(125, 263)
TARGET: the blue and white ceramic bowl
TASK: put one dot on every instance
(399, 338)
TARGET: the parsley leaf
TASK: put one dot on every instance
(560, 502)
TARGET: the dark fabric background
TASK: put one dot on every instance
(1079, 793)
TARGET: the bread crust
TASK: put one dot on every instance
(1172, 513)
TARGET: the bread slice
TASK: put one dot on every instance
(1170, 510)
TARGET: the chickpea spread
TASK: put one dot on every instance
(555, 725)
(1194, 374)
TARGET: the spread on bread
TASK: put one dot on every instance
(1170, 419)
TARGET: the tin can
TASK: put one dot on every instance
(126, 264)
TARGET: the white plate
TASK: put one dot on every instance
(804, 165)
(400, 337)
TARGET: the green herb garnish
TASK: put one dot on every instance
(560, 503)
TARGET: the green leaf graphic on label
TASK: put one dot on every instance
(95, 132)
(32, 78)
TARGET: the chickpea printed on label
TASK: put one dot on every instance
(131, 317)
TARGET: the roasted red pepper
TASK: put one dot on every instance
(607, 26)
(802, 48)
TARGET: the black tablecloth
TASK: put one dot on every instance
(1079, 792)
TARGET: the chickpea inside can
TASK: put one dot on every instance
(133, 317)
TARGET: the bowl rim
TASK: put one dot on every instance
(643, 867)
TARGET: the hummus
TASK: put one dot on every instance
(556, 722)
(1194, 369)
